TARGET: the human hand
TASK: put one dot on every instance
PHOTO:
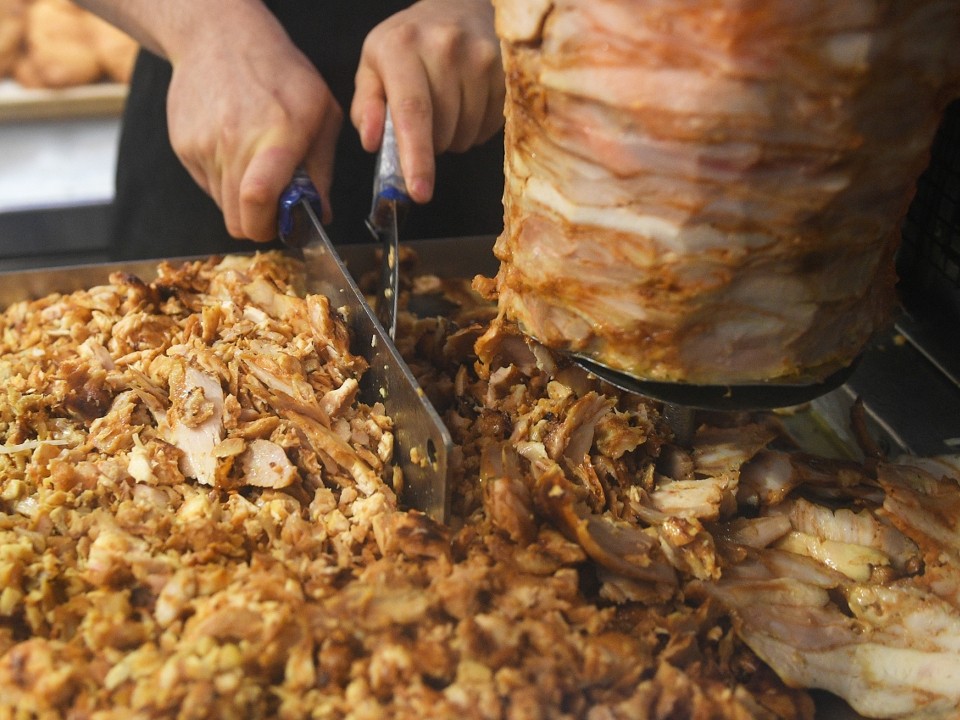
(438, 65)
(245, 108)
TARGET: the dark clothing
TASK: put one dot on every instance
(161, 212)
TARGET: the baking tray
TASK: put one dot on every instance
(456, 257)
(20, 104)
(821, 426)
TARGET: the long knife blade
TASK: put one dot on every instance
(388, 235)
(423, 444)
(389, 199)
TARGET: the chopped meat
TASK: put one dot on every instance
(695, 498)
(878, 622)
(195, 421)
(863, 529)
(216, 533)
(265, 464)
(925, 507)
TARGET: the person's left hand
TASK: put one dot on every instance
(437, 64)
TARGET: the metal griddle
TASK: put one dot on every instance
(891, 376)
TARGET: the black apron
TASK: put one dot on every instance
(159, 211)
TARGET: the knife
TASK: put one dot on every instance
(390, 198)
(422, 443)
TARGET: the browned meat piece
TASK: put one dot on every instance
(862, 601)
(889, 651)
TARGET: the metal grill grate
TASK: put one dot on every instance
(929, 257)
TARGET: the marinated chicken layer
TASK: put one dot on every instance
(710, 192)
(197, 519)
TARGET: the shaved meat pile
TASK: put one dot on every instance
(197, 519)
(709, 192)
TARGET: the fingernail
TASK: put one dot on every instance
(420, 189)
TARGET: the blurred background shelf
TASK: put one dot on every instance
(59, 151)
(20, 104)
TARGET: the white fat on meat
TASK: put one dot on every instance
(701, 498)
(897, 656)
(265, 464)
(814, 607)
(767, 479)
(844, 530)
(194, 423)
(710, 192)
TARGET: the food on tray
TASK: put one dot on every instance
(710, 192)
(197, 518)
(12, 23)
(58, 51)
(116, 51)
(62, 45)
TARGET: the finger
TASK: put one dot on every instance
(403, 78)
(202, 161)
(229, 178)
(320, 158)
(447, 97)
(369, 106)
(482, 92)
(473, 104)
(210, 181)
(411, 105)
(262, 181)
(475, 63)
(493, 117)
(229, 194)
(480, 120)
(392, 54)
(448, 78)
(416, 151)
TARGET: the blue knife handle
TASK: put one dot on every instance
(300, 188)
(388, 182)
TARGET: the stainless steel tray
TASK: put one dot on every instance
(892, 375)
(446, 257)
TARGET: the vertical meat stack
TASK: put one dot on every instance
(709, 192)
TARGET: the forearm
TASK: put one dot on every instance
(172, 27)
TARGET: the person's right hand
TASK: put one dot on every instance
(245, 108)
(438, 64)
